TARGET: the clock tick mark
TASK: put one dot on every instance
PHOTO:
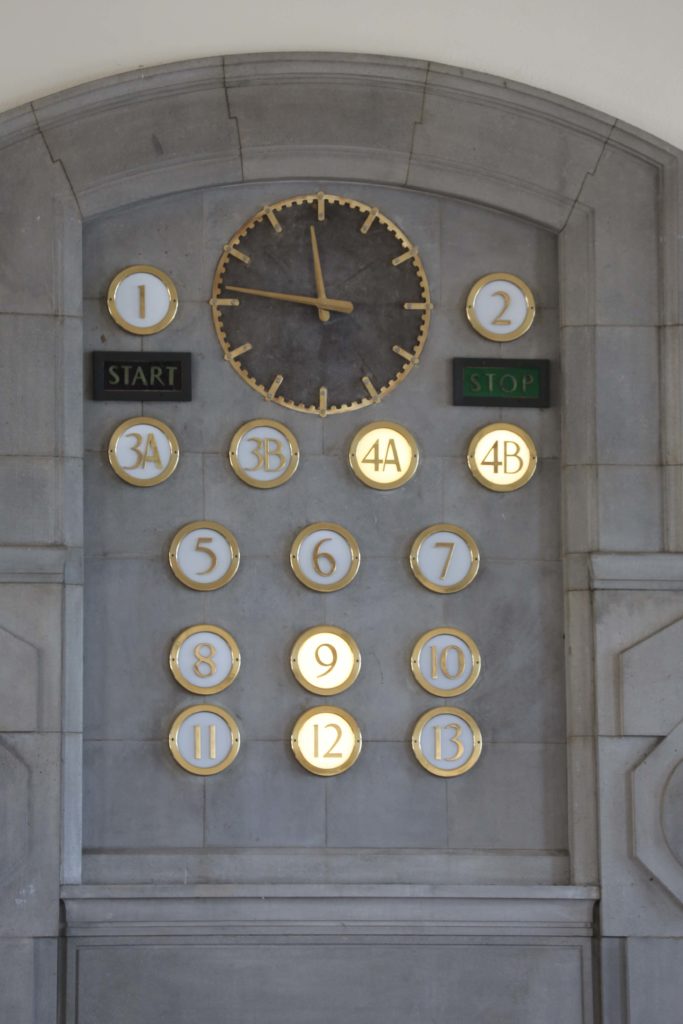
(370, 388)
(408, 255)
(321, 205)
(322, 406)
(275, 223)
(224, 302)
(369, 221)
(273, 389)
(408, 357)
(237, 254)
(418, 305)
(236, 352)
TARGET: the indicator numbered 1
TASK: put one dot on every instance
(142, 300)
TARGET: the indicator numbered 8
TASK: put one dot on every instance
(325, 557)
(204, 555)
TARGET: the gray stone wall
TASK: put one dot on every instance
(142, 920)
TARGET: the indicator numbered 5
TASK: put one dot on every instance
(204, 555)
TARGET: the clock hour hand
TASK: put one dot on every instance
(324, 314)
(333, 305)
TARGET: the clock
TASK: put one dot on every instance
(321, 303)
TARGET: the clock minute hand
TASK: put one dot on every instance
(333, 305)
(323, 314)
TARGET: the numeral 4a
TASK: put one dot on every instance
(373, 458)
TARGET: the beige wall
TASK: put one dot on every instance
(619, 56)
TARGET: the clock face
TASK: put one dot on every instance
(321, 303)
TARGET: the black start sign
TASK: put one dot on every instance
(149, 376)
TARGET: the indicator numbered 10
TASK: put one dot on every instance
(445, 662)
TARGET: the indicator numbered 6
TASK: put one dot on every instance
(204, 555)
(325, 557)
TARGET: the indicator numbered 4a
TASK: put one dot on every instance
(384, 455)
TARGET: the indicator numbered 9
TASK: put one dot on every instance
(447, 741)
(325, 660)
(445, 662)
(444, 558)
(325, 557)
(143, 451)
(204, 739)
(384, 455)
(204, 555)
(142, 299)
(326, 740)
(500, 307)
(502, 457)
(204, 659)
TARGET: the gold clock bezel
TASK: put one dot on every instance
(405, 434)
(206, 524)
(476, 322)
(175, 728)
(168, 434)
(479, 476)
(300, 677)
(425, 683)
(289, 437)
(325, 588)
(269, 391)
(175, 653)
(350, 721)
(469, 541)
(424, 720)
(142, 268)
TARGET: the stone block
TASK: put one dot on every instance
(652, 684)
(30, 665)
(522, 786)
(29, 834)
(578, 396)
(625, 258)
(143, 134)
(654, 969)
(386, 799)
(29, 513)
(626, 521)
(580, 514)
(627, 395)
(265, 798)
(275, 982)
(313, 117)
(135, 795)
(40, 229)
(16, 980)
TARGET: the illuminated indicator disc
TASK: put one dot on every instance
(326, 740)
(502, 457)
(384, 455)
(325, 660)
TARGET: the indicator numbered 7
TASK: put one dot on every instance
(204, 555)
(325, 557)
(444, 558)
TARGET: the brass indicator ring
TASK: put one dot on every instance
(300, 754)
(124, 428)
(503, 336)
(390, 456)
(243, 474)
(186, 683)
(302, 672)
(428, 684)
(354, 552)
(486, 480)
(175, 730)
(205, 524)
(416, 741)
(142, 268)
(415, 556)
